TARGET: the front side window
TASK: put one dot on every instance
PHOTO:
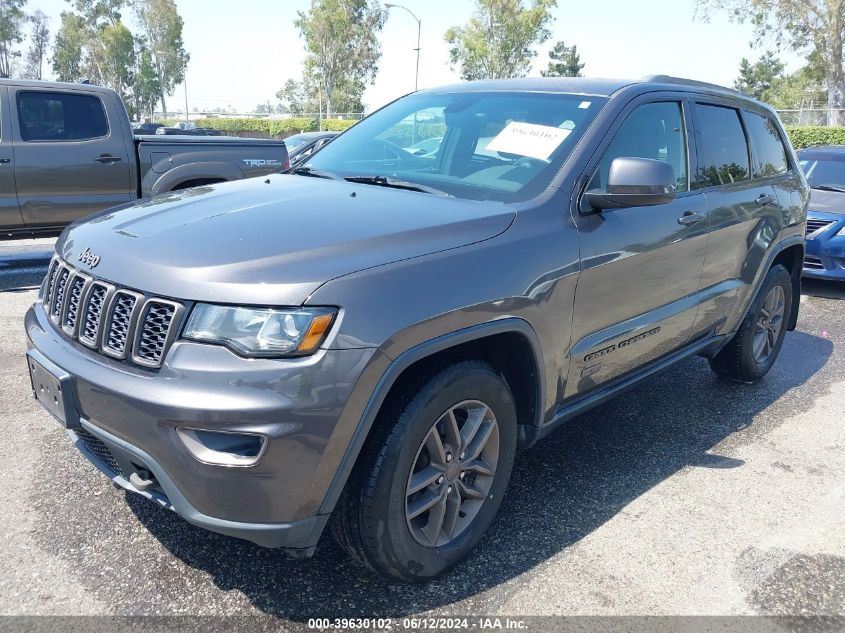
(652, 130)
(503, 146)
(54, 116)
(723, 150)
(767, 148)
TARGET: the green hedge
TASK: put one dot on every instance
(278, 128)
(805, 136)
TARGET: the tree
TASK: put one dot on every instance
(162, 26)
(93, 43)
(805, 25)
(498, 41)
(39, 40)
(565, 61)
(756, 79)
(342, 46)
(147, 88)
(12, 18)
(67, 50)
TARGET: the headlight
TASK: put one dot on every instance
(260, 331)
(841, 231)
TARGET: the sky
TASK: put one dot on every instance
(243, 52)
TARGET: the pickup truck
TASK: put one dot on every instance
(68, 150)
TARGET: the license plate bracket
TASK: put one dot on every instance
(52, 388)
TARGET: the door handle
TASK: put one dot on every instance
(690, 218)
(107, 159)
(5, 161)
(763, 199)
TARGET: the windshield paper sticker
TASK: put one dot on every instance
(528, 139)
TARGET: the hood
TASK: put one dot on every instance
(273, 240)
(826, 201)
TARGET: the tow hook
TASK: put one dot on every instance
(143, 480)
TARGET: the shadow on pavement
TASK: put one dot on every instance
(825, 289)
(562, 489)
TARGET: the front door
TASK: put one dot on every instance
(641, 266)
(71, 157)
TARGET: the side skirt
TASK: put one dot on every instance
(567, 411)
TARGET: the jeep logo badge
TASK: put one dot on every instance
(88, 258)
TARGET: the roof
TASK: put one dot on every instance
(35, 83)
(587, 85)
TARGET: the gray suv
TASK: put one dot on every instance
(366, 342)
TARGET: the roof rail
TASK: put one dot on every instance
(668, 79)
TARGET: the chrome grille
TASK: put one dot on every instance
(58, 296)
(95, 303)
(817, 225)
(156, 321)
(51, 283)
(118, 322)
(74, 297)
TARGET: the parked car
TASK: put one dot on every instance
(301, 146)
(824, 167)
(145, 128)
(367, 341)
(68, 150)
(187, 128)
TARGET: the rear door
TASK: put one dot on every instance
(10, 214)
(745, 215)
(69, 160)
(636, 296)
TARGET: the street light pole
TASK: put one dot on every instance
(419, 30)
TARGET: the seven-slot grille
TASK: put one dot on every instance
(115, 321)
(817, 225)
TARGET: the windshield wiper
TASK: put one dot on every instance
(313, 173)
(384, 181)
(829, 188)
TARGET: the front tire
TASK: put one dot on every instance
(754, 348)
(430, 482)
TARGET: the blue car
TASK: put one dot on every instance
(824, 167)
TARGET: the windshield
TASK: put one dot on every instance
(824, 172)
(503, 146)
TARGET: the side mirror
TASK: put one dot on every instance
(634, 182)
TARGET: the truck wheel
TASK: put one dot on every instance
(427, 488)
(756, 345)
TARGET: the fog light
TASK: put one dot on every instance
(223, 448)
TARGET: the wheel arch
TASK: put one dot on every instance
(509, 345)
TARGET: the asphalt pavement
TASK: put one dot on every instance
(689, 495)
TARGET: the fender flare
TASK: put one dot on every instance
(406, 359)
(195, 171)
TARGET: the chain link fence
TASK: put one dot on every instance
(812, 116)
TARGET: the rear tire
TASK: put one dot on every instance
(425, 442)
(753, 350)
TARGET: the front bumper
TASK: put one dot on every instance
(128, 419)
(824, 256)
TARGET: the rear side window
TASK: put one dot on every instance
(723, 151)
(769, 154)
(54, 116)
(652, 130)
